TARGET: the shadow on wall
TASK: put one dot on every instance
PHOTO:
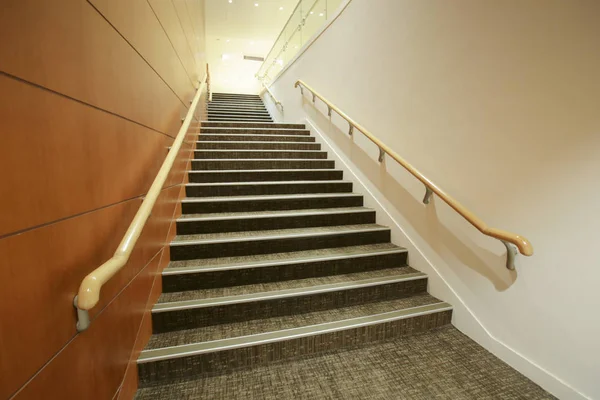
(424, 219)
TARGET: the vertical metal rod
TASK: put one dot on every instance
(428, 193)
(328, 111)
(381, 154)
(301, 90)
(83, 317)
(314, 97)
(511, 254)
(351, 130)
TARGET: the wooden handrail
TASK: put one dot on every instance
(89, 290)
(505, 237)
(277, 102)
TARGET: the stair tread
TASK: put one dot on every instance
(260, 290)
(254, 327)
(274, 233)
(242, 128)
(266, 196)
(262, 183)
(268, 214)
(218, 171)
(222, 263)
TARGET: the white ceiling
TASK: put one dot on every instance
(242, 19)
(240, 28)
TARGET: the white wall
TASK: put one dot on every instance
(499, 104)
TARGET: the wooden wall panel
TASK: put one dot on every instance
(91, 98)
(167, 15)
(84, 157)
(93, 364)
(183, 13)
(147, 36)
(67, 46)
(196, 9)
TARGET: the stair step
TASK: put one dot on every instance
(254, 131)
(224, 137)
(233, 117)
(264, 175)
(225, 164)
(250, 107)
(270, 202)
(230, 119)
(226, 271)
(260, 188)
(222, 348)
(229, 244)
(259, 154)
(218, 113)
(258, 145)
(278, 125)
(195, 308)
(189, 224)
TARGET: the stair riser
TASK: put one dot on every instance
(276, 245)
(238, 155)
(258, 146)
(248, 357)
(202, 165)
(265, 176)
(270, 205)
(261, 189)
(206, 316)
(209, 124)
(257, 224)
(250, 131)
(218, 113)
(239, 117)
(255, 138)
(277, 273)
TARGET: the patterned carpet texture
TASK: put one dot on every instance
(439, 364)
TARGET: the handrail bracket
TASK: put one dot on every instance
(428, 193)
(381, 154)
(511, 254)
(351, 130)
(83, 317)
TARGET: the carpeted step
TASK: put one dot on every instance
(224, 164)
(258, 145)
(240, 118)
(237, 111)
(231, 244)
(265, 175)
(227, 347)
(209, 137)
(195, 308)
(265, 188)
(259, 154)
(277, 125)
(254, 131)
(270, 202)
(189, 224)
(263, 268)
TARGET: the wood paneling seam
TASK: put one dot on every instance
(172, 45)
(37, 85)
(20, 231)
(138, 53)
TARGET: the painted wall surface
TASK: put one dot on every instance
(498, 103)
(91, 97)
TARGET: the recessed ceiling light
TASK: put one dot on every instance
(227, 40)
(230, 1)
(280, 8)
(311, 13)
(251, 42)
(255, 4)
(225, 56)
(320, 15)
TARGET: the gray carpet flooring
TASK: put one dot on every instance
(438, 364)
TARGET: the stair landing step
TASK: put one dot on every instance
(197, 341)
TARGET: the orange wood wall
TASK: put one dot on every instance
(91, 96)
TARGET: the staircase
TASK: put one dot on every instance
(275, 260)
(237, 107)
